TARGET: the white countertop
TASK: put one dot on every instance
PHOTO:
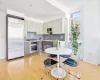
(37, 40)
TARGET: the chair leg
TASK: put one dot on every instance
(48, 71)
(71, 73)
(58, 79)
(42, 78)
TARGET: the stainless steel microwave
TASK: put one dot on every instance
(49, 30)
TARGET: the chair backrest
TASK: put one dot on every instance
(69, 45)
(62, 43)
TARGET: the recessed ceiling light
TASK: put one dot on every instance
(30, 5)
(24, 10)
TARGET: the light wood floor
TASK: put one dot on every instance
(32, 68)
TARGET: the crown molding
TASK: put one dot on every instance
(13, 12)
(54, 18)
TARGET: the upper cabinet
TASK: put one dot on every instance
(31, 26)
(39, 28)
(58, 26)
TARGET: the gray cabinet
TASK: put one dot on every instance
(41, 46)
(26, 48)
(46, 44)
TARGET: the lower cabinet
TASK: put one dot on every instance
(26, 48)
(41, 46)
(46, 44)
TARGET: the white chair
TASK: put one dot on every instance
(64, 45)
(73, 61)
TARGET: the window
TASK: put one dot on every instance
(75, 19)
(76, 14)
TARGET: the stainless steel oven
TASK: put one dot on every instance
(33, 47)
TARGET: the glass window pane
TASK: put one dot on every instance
(76, 14)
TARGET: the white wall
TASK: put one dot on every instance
(2, 34)
(65, 27)
(82, 32)
(98, 31)
(90, 25)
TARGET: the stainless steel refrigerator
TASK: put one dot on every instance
(15, 37)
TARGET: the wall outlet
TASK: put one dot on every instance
(61, 37)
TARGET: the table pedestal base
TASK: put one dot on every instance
(58, 72)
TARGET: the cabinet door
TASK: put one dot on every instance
(46, 44)
(26, 48)
(39, 28)
(31, 26)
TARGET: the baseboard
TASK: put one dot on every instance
(2, 58)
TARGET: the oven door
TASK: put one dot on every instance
(33, 48)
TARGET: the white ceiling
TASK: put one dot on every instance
(72, 3)
(39, 9)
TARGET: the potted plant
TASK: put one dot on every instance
(74, 37)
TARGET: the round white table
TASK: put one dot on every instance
(58, 72)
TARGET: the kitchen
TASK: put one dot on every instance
(44, 35)
(39, 36)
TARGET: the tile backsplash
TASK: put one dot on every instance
(54, 37)
(33, 35)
